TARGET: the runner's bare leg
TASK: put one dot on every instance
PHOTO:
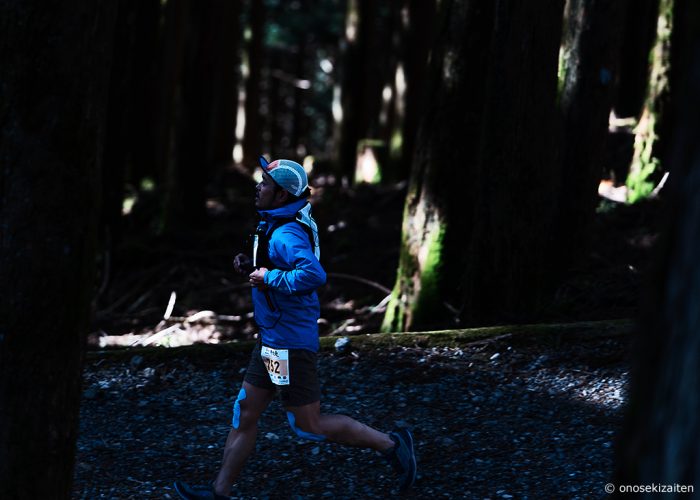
(339, 428)
(241, 442)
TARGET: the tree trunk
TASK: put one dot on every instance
(253, 134)
(591, 52)
(301, 73)
(389, 119)
(170, 115)
(365, 72)
(652, 130)
(418, 41)
(205, 130)
(143, 162)
(660, 442)
(220, 44)
(639, 33)
(439, 204)
(129, 113)
(350, 93)
(276, 105)
(507, 273)
(55, 60)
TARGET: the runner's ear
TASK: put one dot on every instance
(282, 196)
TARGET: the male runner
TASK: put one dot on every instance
(285, 273)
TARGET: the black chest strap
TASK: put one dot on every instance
(264, 236)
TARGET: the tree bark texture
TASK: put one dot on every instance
(591, 44)
(660, 442)
(653, 130)
(507, 272)
(55, 60)
(438, 213)
(418, 41)
(253, 133)
(205, 101)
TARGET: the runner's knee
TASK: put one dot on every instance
(236, 421)
(243, 417)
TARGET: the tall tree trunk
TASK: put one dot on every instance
(639, 33)
(55, 60)
(144, 108)
(253, 133)
(170, 114)
(660, 442)
(439, 205)
(507, 273)
(275, 103)
(653, 131)
(365, 72)
(205, 131)
(591, 51)
(350, 92)
(221, 44)
(129, 114)
(388, 121)
(418, 41)
(297, 140)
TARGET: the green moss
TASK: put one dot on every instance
(395, 316)
(561, 72)
(428, 299)
(396, 145)
(645, 161)
(412, 304)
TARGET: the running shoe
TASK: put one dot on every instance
(403, 457)
(191, 492)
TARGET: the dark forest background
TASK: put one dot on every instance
(473, 162)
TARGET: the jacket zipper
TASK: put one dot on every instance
(269, 300)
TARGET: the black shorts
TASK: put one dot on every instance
(304, 387)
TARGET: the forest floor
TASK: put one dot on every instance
(508, 418)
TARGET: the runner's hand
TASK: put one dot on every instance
(257, 277)
(242, 264)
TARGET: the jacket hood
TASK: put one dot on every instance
(301, 210)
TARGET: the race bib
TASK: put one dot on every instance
(277, 364)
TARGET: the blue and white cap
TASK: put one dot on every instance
(288, 174)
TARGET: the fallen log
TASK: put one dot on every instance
(549, 333)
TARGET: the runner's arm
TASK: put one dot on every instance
(294, 249)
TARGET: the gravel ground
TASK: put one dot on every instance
(494, 419)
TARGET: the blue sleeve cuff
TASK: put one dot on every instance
(267, 276)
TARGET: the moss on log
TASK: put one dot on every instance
(548, 332)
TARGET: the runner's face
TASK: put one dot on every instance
(267, 194)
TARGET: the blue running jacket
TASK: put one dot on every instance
(289, 319)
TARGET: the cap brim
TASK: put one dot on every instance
(263, 162)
